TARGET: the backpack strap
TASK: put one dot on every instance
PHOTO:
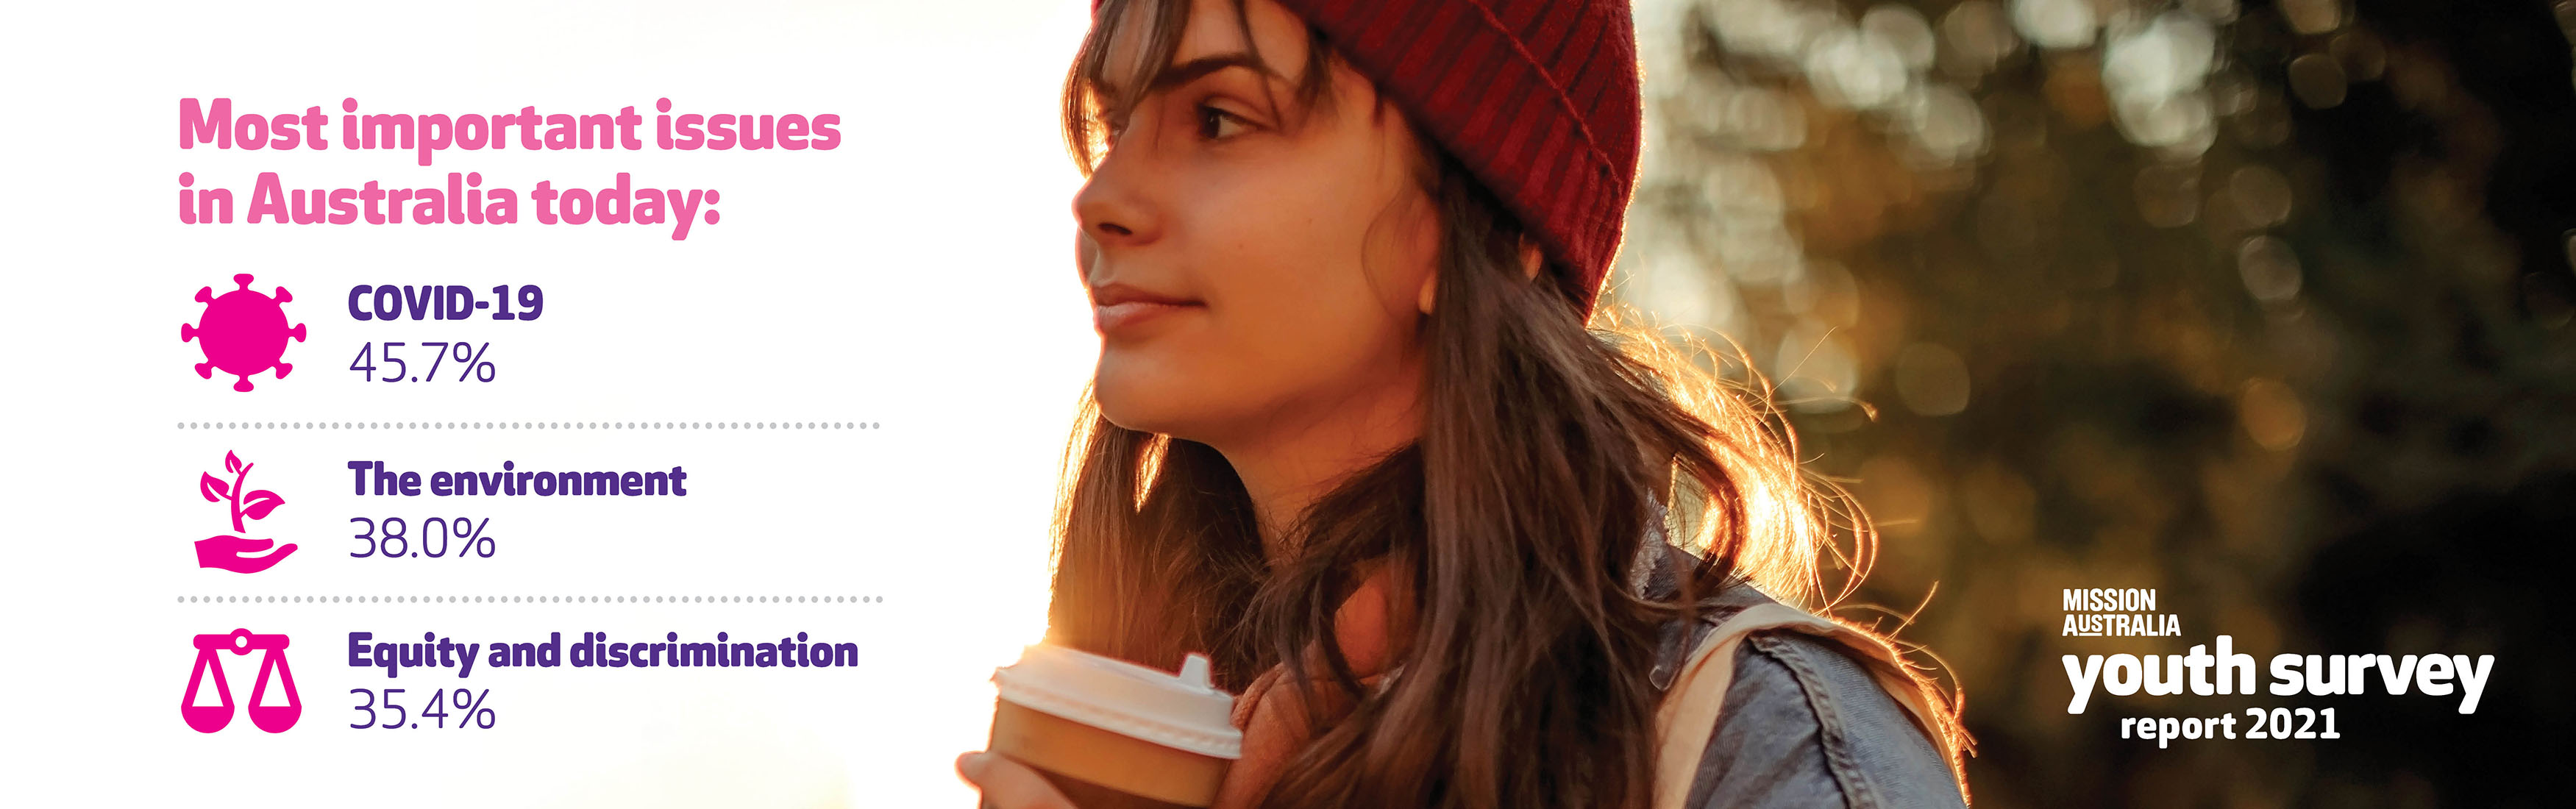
(1690, 706)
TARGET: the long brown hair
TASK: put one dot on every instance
(1519, 515)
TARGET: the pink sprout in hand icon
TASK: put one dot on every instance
(211, 718)
(243, 332)
(229, 552)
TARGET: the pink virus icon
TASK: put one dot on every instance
(243, 332)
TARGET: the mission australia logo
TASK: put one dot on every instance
(2104, 612)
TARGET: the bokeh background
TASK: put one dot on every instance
(2264, 305)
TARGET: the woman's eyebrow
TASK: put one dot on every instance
(1184, 72)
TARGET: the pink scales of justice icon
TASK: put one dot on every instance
(211, 718)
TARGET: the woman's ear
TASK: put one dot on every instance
(1532, 260)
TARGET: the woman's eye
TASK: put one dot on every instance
(1215, 124)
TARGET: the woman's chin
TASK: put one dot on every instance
(1170, 410)
(1143, 407)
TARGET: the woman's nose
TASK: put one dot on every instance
(1115, 207)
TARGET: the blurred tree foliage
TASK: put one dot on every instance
(2264, 305)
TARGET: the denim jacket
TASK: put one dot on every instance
(1803, 724)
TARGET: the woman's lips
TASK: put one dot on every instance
(1119, 308)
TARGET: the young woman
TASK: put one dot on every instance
(1351, 436)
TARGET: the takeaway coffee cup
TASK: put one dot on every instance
(1112, 734)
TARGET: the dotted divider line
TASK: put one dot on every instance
(531, 425)
(523, 599)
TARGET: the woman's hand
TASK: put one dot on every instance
(1008, 784)
(1372, 627)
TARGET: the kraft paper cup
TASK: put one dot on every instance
(1110, 733)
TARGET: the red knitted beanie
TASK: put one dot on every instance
(1538, 98)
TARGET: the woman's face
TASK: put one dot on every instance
(1256, 269)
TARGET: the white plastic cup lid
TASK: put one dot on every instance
(1183, 712)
